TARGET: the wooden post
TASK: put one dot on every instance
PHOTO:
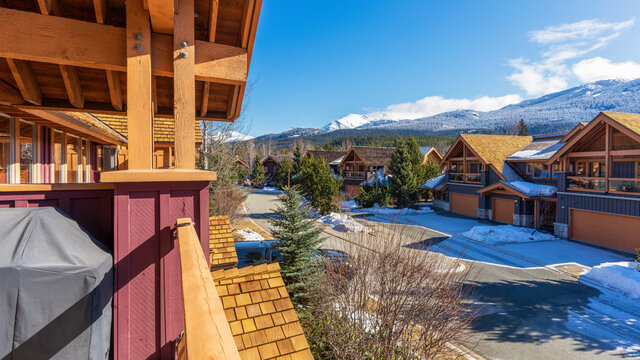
(607, 159)
(184, 93)
(63, 159)
(139, 107)
(16, 151)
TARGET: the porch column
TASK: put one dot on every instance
(139, 107)
(184, 84)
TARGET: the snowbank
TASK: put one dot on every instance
(343, 223)
(250, 235)
(385, 210)
(623, 276)
(349, 205)
(268, 190)
(506, 234)
(435, 183)
(532, 189)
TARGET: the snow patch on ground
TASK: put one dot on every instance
(505, 234)
(349, 205)
(623, 276)
(385, 210)
(343, 223)
(250, 235)
(269, 190)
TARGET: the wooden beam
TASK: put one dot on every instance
(26, 80)
(100, 9)
(607, 159)
(48, 7)
(9, 95)
(162, 15)
(205, 99)
(154, 94)
(184, 85)
(72, 84)
(15, 162)
(213, 19)
(115, 91)
(140, 117)
(57, 40)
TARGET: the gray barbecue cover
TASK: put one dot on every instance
(56, 285)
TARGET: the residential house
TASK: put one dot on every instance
(120, 60)
(475, 162)
(361, 163)
(430, 152)
(271, 161)
(330, 157)
(598, 181)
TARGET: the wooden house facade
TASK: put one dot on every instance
(599, 182)
(361, 163)
(431, 153)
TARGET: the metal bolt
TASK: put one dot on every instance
(138, 36)
(184, 54)
(185, 44)
(138, 47)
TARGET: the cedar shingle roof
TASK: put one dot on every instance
(327, 155)
(277, 158)
(222, 251)
(260, 313)
(375, 156)
(494, 149)
(628, 120)
(163, 128)
(93, 123)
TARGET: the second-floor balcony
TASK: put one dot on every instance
(354, 174)
(465, 178)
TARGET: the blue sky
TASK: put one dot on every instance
(318, 61)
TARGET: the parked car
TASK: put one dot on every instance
(336, 260)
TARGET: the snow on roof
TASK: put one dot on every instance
(510, 174)
(531, 189)
(435, 183)
(537, 150)
(425, 149)
(337, 161)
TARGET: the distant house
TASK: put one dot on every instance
(331, 157)
(270, 162)
(242, 164)
(362, 162)
(430, 152)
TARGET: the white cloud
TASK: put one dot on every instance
(432, 105)
(599, 68)
(563, 43)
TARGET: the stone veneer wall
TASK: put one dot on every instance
(485, 214)
(441, 204)
(523, 220)
(561, 230)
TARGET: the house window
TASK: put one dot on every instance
(540, 170)
(27, 152)
(474, 168)
(596, 169)
(456, 167)
(580, 169)
(5, 150)
(555, 170)
(72, 153)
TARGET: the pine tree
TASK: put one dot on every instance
(523, 130)
(297, 159)
(414, 151)
(283, 172)
(320, 185)
(403, 186)
(257, 173)
(298, 237)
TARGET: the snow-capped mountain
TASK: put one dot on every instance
(556, 111)
(233, 136)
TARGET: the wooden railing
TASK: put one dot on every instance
(355, 174)
(207, 334)
(464, 177)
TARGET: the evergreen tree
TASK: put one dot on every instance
(298, 239)
(403, 186)
(523, 130)
(283, 172)
(257, 173)
(320, 185)
(297, 159)
(414, 151)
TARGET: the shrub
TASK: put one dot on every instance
(403, 186)
(225, 201)
(320, 185)
(370, 195)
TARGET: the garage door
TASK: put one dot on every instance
(503, 210)
(616, 231)
(464, 204)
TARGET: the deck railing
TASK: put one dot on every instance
(207, 334)
(355, 174)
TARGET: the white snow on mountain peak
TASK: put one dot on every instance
(233, 136)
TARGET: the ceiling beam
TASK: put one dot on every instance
(9, 95)
(52, 39)
(115, 91)
(213, 19)
(26, 81)
(161, 13)
(72, 84)
(100, 9)
(205, 99)
(48, 7)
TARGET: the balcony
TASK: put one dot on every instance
(586, 183)
(624, 185)
(355, 175)
(466, 178)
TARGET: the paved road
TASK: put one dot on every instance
(533, 313)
